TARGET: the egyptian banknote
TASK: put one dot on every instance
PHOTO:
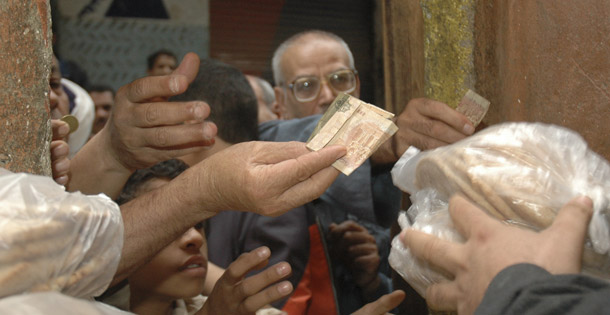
(357, 125)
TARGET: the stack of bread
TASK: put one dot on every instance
(54, 240)
(521, 173)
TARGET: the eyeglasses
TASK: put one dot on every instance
(307, 88)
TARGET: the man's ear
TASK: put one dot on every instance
(357, 90)
(279, 107)
(275, 109)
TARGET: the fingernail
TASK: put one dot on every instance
(468, 129)
(62, 166)
(208, 132)
(263, 252)
(198, 112)
(61, 149)
(174, 85)
(62, 180)
(284, 288)
(282, 269)
(403, 233)
(63, 130)
(585, 201)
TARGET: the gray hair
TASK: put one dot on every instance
(267, 89)
(278, 76)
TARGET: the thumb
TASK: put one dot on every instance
(189, 66)
(571, 224)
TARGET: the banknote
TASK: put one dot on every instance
(357, 125)
(473, 106)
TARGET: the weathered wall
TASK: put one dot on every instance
(113, 50)
(25, 63)
(546, 61)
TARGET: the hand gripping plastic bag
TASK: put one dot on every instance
(521, 173)
(52, 240)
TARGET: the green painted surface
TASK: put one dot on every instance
(448, 48)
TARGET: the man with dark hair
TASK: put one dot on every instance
(234, 108)
(103, 100)
(161, 62)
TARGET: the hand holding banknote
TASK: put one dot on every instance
(359, 126)
(427, 124)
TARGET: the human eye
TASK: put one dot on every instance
(342, 80)
(55, 85)
(305, 84)
(199, 226)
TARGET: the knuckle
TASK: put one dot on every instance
(430, 249)
(249, 306)
(432, 296)
(161, 137)
(151, 114)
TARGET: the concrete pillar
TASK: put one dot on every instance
(25, 63)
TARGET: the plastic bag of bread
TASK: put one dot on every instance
(52, 240)
(521, 173)
(54, 303)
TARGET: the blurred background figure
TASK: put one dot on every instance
(79, 104)
(103, 100)
(161, 62)
(265, 97)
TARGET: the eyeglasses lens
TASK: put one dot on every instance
(307, 89)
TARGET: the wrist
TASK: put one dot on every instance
(369, 289)
(385, 154)
(95, 161)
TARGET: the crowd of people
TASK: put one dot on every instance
(214, 183)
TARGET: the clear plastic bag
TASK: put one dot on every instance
(52, 240)
(521, 173)
(54, 303)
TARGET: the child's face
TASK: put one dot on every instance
(178, 270)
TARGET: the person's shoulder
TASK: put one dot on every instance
(288, 130)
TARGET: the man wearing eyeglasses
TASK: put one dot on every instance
(348, 224)
(310, 69)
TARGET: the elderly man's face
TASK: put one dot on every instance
(319, 58)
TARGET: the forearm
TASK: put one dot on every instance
(375, 289)
(95, 170)
(155, 219)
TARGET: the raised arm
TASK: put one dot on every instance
(262, 177)
(144, 128)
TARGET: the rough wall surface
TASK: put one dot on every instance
(25, 59)
(403, 53)
(547, 61)
(113, 51)
(448, 49)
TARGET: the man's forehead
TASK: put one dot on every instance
(313, 55)
(165, 58)
(104, 96)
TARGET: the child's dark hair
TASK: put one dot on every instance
(169, 169)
